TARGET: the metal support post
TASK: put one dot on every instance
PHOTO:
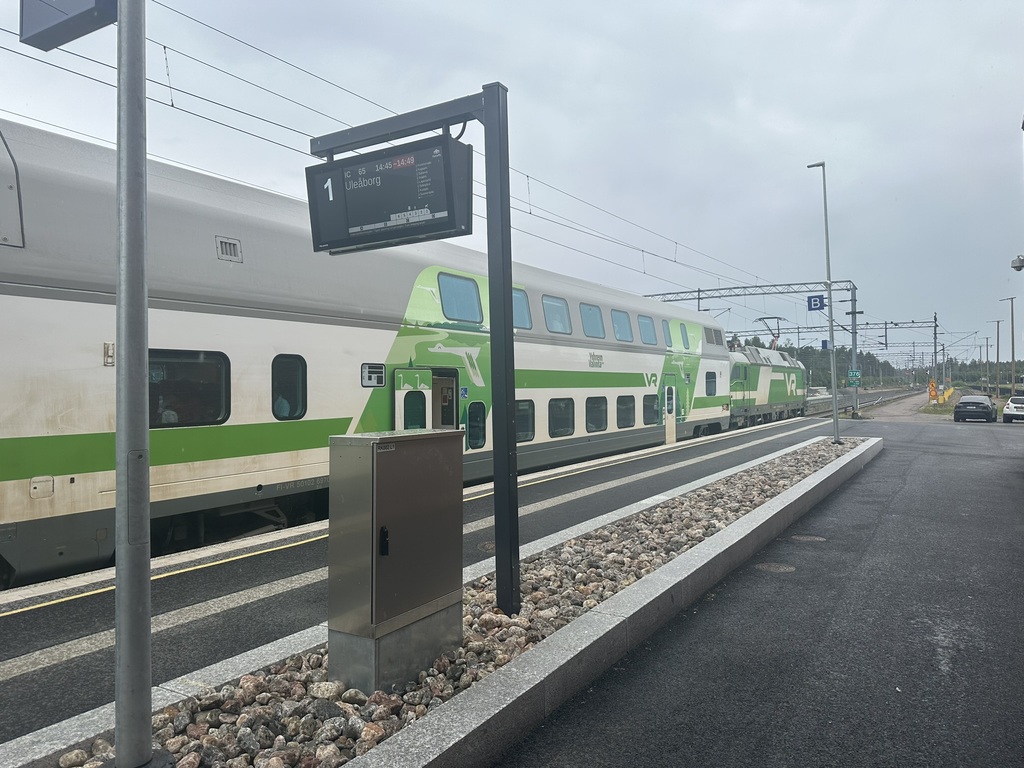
(490, 107)
(133, 669)
(996, 355)
(503, 385)
(853, 348)
(831, 321)
(1013, 350)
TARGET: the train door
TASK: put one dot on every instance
(444, 386)
(426, 399)
(669, 406)
(414, 406)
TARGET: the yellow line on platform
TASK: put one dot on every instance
(178, 572)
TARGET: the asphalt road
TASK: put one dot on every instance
(883, 629)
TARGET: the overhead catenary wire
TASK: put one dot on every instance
(530, 211)
(391, 111)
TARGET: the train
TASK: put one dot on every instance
(260, 349)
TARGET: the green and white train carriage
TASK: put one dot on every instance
(261, 349)
(767, 385)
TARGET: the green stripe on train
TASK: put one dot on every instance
(27, 457)
(536, 379)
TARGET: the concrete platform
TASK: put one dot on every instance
(481, 723)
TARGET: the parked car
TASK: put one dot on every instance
(1013, 410)
(975, 407)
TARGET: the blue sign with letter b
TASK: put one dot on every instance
(815, 303)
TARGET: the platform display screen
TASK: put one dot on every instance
(416, 191)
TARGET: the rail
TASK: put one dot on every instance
(821, 405)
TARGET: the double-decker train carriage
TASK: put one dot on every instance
(260, 349)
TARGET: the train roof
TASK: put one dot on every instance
(217, 243)
(762, 356)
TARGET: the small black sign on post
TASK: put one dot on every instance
(489, 107)
(417, 191)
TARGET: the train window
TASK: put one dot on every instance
(188, 388)
(651, 409)
(597, 414)
(593, 321)
(625, 412)
(647, 333)
(556, 314)
(415, 407)
(684, 336)
(460, 298)
(476, 425)
(709, 335)
(621, 325)
(561, 417)
(288, 387)
(666, 331)
(719, 339)
(521, 317)
(710, 384)
(525, 431)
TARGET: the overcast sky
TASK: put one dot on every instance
(679, 132)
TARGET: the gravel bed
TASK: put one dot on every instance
(291, 716)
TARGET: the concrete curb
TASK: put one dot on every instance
(480, 724)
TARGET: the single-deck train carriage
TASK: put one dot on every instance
(767, 385)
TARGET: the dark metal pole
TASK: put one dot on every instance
(1013, 350)
(503, 392)
(853, 348)
(133, 669)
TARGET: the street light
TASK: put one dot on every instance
(997, 322)
(831, 328)
(1013, 350)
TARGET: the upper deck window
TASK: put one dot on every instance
(593, 321)
(622, 325)
(460, 298)
(648, 335)
(521, 317)
(666, 329)
(556, 314)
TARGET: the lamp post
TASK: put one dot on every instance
(997, 322)
(1013, 350)
(831, 328)
(988, 380)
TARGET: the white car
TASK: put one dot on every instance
(1013, 410)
